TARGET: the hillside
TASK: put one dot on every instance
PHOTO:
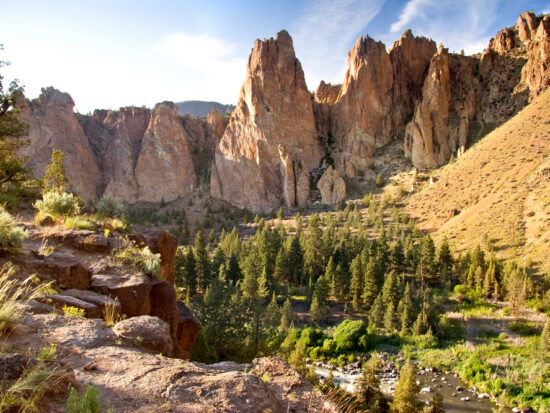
(501, 186)
(202, 108)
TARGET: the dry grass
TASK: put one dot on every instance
(501, 186)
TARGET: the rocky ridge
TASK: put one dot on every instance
(270, 146)
(281, 139)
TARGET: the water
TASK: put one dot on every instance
(445, 384)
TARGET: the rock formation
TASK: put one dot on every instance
(134, 154)
(52, 125)
(164, 169)
(332, 187)
(270, 146)
(376, 98)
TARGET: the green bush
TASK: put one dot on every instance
(9, 201)
(11, 235)
(347, 335)
(525, 328)
(87, 403)
(141, 258)
(56, 204)
(79, 223)
(110, 207)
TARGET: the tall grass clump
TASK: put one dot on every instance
(87, 403)
(110, 207)
(11, 235)
(56, 204)
(13, 290)
(25, 393)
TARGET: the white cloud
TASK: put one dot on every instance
(457, 25)
(218, 68)
(413, 10)
(323, 33)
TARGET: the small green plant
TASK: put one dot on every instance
(141, 258)
(54, 177)
(56, 204)
(379, 180)
(44, 249)
(11, 235)
(265, 378)
(48, 353)
(110, 313)
(138, 341)
(71, 311)
(110, 207)
(79, 223)
(87, 403)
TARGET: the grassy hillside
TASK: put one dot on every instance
(499, 187)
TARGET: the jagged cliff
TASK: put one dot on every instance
(270, 146)
(135, 154)
(281, 139)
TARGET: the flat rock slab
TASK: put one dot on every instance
(85, 240)
(90, 310)
(80, 332)
(100, 300)
(64, 269)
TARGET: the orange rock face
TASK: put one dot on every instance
(270, 146)
(52, 125)
(164, 169)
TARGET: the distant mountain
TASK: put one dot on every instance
(202, 108)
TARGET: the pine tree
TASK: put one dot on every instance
(234, 272)
(212, 237)
(282, 267)
(377, 312)
(54, 178)
(406, 390)
(356, 288)
(427, 255)
(545, 339)
(201, 261)
(391, 290)
(436, 404)
(189, 272)
(367, 386)
(317, 312)
(370, 285)
(390, 318)
(445, 258)
(249, 286)
(489, 281)
(313, 247)
(405, 310)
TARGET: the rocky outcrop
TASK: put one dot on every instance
(188, 331)
(53, 125)
(376, 99)
(134, 154)
(270, 146)
(116, 137)
(536, 72)
(324, 98)
(332, 187)
(164, 169)
(441, 123)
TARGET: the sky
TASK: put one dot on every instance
(109, 54)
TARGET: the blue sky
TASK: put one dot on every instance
(109, 54)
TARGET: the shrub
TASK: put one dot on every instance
(110, 207)
(9, 201)
(48, 353)
(56, 204)
(71, 311)
(379, 180)
(141, 258)
(79, 223)
(11, 235)
(87, 403)
(348, 334)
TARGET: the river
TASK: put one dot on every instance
(446, 383)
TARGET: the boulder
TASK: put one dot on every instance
(188, 331)
(332, 187)
(146, 331)
(65, 270)
(132, 291)
(270, 145)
